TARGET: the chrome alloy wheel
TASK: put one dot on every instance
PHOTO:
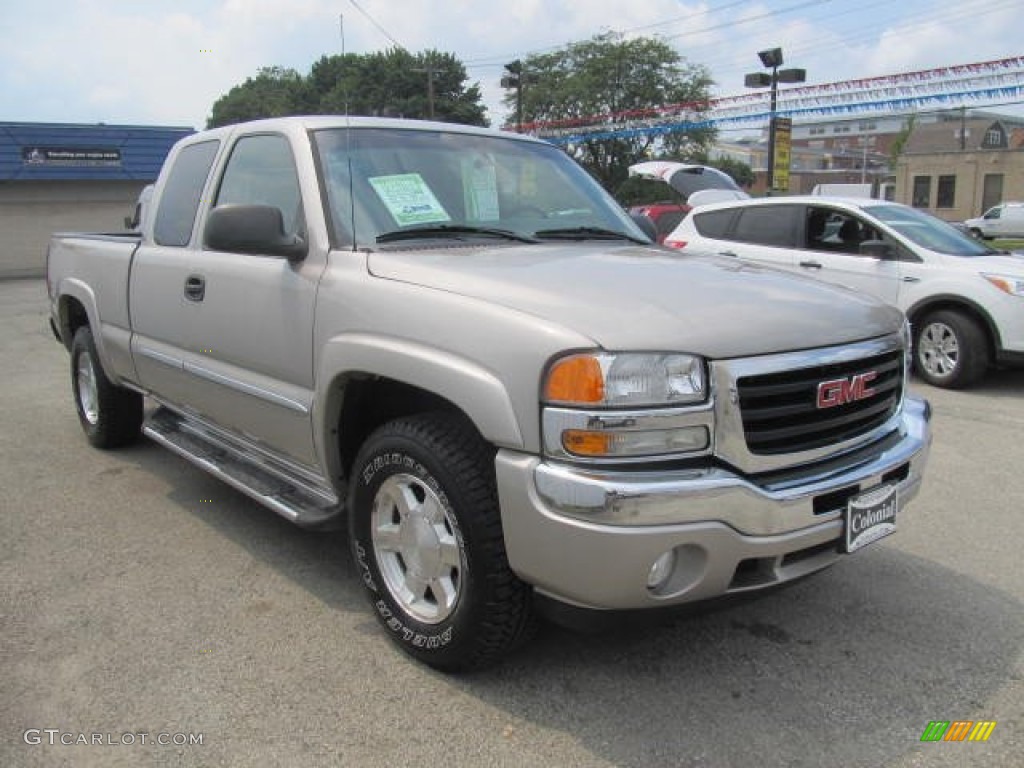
(88, 391)
(420, 557)
(938, 349)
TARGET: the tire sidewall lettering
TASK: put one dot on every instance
(409, 635)
(373, 473)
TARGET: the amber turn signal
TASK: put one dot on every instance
(575, 379)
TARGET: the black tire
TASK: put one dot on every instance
(427, 541)
(950, 350)
(111, 416)
(977, 234)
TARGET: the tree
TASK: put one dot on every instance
(900, 142)
(611, 76)
(426, 85)
(275, 91)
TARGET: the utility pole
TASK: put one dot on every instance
(431, 71)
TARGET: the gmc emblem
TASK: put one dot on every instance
(843, 391)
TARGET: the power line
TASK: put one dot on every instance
(492, 60)
(377, 25)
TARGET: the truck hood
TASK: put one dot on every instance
(643, 298)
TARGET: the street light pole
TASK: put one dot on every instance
(772, 59)
(773, 106)
(518, 79)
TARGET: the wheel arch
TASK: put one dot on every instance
(365, 382)
(917, 313)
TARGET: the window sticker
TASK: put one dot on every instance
(480, 185)
(408, 199)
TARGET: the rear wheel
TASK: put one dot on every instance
(427, 539)
(111, 416)
(951, 350)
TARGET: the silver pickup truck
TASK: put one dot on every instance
(455, 340)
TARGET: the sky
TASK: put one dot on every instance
(165, 62)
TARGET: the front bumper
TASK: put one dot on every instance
(589, 538)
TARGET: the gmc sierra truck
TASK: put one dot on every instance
(453, 340)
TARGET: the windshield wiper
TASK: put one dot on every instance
(451, 230)
(588, 233)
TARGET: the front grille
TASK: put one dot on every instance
(782, 414)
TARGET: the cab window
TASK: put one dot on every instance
(261, 171)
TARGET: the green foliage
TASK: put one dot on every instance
(609, 75)
(900, 142)
(274, 92)
(740, 172)
(393, 83)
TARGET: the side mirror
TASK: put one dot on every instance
(646, 225)
(878, 249)
(255, 229)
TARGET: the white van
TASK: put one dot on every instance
(1003, 220)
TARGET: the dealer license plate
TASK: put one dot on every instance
(871, 516)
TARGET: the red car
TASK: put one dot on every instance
(666, 216)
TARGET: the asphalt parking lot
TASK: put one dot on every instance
(142, 597)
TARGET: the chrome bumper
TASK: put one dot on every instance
(590, 538)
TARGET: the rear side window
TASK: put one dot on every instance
(713, 223)
(774, 225)
(179, 202)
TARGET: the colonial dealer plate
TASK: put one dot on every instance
(871, 516)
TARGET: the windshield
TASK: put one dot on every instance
(927, 231)
(402, 184)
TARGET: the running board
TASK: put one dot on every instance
(292, 492)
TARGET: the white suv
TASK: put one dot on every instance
(964, 300)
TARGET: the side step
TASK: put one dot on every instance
(291, 491)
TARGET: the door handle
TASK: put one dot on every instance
(727, 253)
(195, 287)
(810, 264)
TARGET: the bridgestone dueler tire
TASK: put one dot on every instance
(424, 511)
(111, 416)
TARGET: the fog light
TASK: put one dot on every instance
(661, 570)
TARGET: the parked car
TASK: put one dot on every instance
(665, 216)
(1003, 220)
(455, 342)
(964, 300)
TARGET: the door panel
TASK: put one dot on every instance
(161, 314)
(250, 351)
(250, 356)
(831, 252)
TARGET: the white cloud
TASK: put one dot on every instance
(164, 62)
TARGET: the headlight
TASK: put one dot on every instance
(608, 407)
(626, 380)
(1007, 284)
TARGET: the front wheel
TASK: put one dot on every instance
(950, 350)
(110, 415)
(427, 539)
